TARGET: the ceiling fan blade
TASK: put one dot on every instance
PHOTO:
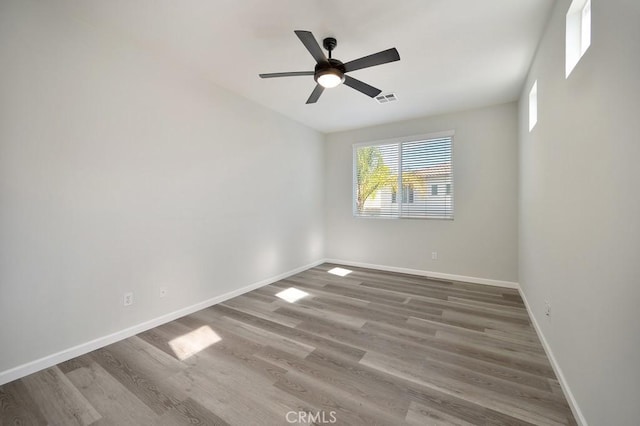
(315, 95)
(386, 56)
(310, 42)
(285, 74)
(361, 86)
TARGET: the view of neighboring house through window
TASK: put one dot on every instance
(420, 166)
(407, 194)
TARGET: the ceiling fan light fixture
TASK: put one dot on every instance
(329, 78)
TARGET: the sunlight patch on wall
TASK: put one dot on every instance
(292, 294)
(193, 342)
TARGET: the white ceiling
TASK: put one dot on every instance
(455, 54)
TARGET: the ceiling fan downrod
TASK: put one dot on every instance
(329, 43)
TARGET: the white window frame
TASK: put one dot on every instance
(399, 141)
(533, 106)
(578, 33)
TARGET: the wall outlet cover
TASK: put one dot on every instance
(128, 299)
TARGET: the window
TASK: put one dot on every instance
(420, 165)
(578, 33)
(533, 106)
(407, 194)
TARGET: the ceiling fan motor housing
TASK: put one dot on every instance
(333, 66)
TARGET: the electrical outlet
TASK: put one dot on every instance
(547, 308)
(128, 299)
(163, 291)
(434, 255)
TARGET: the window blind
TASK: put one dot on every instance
(404, 179)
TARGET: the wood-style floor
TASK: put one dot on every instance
(369, 348)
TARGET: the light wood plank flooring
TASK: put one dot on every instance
(365, 349)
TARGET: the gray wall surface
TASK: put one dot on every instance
(119, 172)
(580, 209)
(480, 242)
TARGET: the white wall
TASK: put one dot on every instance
(480, 242)
(580, 209)
(122, 173)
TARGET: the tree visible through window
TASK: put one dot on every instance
(420, 167)
(372, 175)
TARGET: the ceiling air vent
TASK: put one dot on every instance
(383, 99)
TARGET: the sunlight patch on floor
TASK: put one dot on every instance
(193, 342)
(292, 294)
(340, 271)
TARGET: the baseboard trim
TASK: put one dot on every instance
(439, 275)
(83, 348)
(573, 404)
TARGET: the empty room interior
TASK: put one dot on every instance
(421, 212)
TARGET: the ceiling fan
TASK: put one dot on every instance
(330, 72)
